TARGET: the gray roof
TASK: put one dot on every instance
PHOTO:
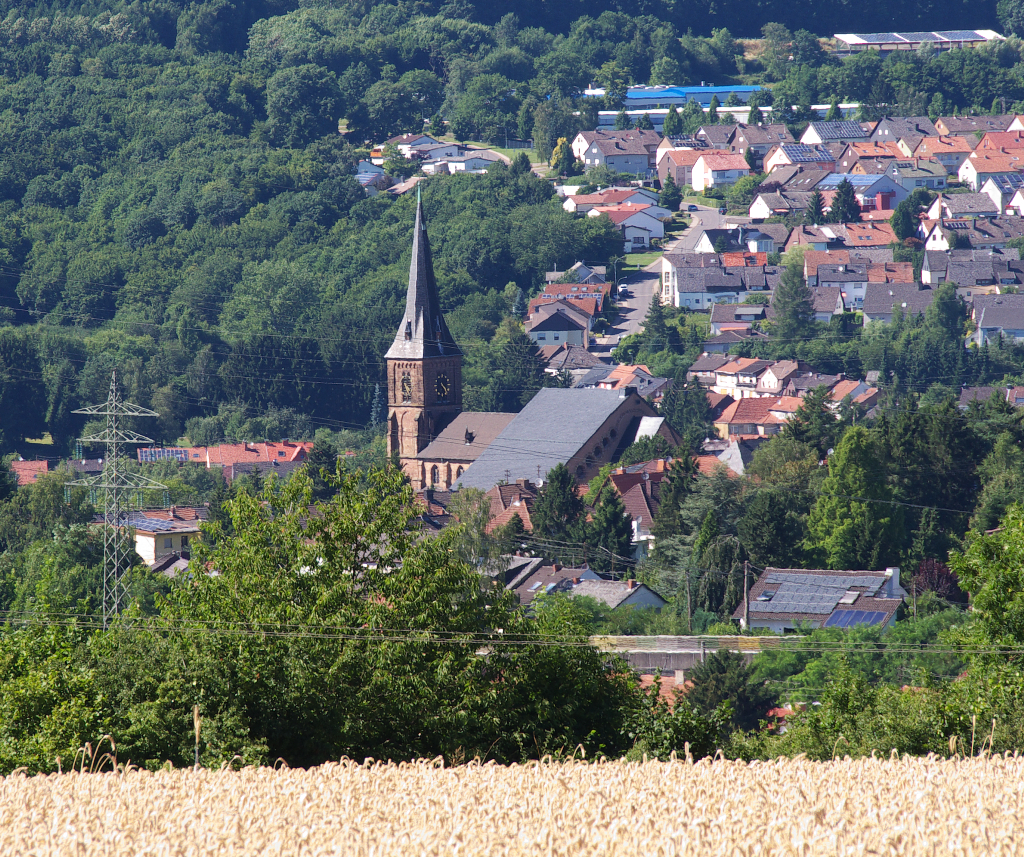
(717, 135)
(971, 124)
(884, 298)
(839, 130)
(996, 230)
(611, 592)
(805, 180)
(999, 311)
(904, 127)
(550, 430)
(423, 331)
(826, 298)
(969, 203)
(759, 135)
(976, 394)
(465, 437)
(709, 362)
(573, 357)
(843, 273)
(557, 319)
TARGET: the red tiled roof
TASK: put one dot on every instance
(891, 272)
(29, 471)
(241, 453)
(943, 145)
(585, 303)
(724, 161)
(743, 259)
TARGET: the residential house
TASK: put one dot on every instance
(162, 532)
(619, 593)
(854, 153)
(965, 267)
(793, 179)
(998, 316)
(679, 165)
(832, 236)
(962, 205)
(636, 223)
(734, 316)
(1004, 191)
(579, 273)
(781, 203)
(987, 233)
(971, 126)
(1000, 142)
(758, 140)
(793, 154)
(542, 579)
(574, 359)
(850, 278)
(915, 173)
(510, 500)
(739, 377)
(875, 193)
(951, 152)
(784, 600)
(677, 143)
(840, 131)
(717, 136)
(27, 472)
(639, 378)
(882, 300)
(699, 288)
(477, 160)
(906, 131)
(227, 454)
(593, 296)
(858, 392)
(763, 416)
(582, 203)
(718, 169)
(560, 322)
(583, 429)
(704, 369)
(978, 169)
(774, 379)
(723, 343)
(629, 151)
(405, 143)
(802, 383)
(1011, 395)
(828, 302)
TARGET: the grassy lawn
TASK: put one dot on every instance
(638, 261)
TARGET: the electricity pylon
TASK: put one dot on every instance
(117, 485)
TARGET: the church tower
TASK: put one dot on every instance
(424, 364)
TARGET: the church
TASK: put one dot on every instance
(441, 446)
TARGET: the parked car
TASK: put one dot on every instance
(623, 292)
(692, 207)
(721, 210)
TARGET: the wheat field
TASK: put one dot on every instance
(788, 807)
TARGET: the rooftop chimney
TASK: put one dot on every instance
(630, 584)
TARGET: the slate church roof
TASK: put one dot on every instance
(423, 332)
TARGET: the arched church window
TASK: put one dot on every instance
(406, 387)
(434, 475)
(459, 471)
(408, 331)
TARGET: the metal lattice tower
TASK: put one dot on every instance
(118, 485)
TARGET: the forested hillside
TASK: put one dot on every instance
(175, 199)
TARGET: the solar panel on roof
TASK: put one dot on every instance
(854, 618)
(959, 35)
(920, 37)
(880, 38)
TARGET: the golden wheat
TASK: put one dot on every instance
(787, 807)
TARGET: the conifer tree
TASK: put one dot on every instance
(609, 535)
(834, 113)
(845, 208)
(622, 122)
(557, 513)
(670, 195)
(673, 122)
(794, 305)
(644, 123)
(815, 214)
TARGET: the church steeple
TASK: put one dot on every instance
(424, 365)
(423, 332)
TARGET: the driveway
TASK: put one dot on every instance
(705, 217)
(632, 310)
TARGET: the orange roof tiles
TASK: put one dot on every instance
(891, 272)
(942, 146)
(724, 161)
(684, 157)
(869, 235)
(743, 259)
(29, 471)
(813, 258)
(240, 453)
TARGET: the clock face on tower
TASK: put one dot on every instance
(442, 387)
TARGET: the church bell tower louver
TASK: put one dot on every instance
(424, 364)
